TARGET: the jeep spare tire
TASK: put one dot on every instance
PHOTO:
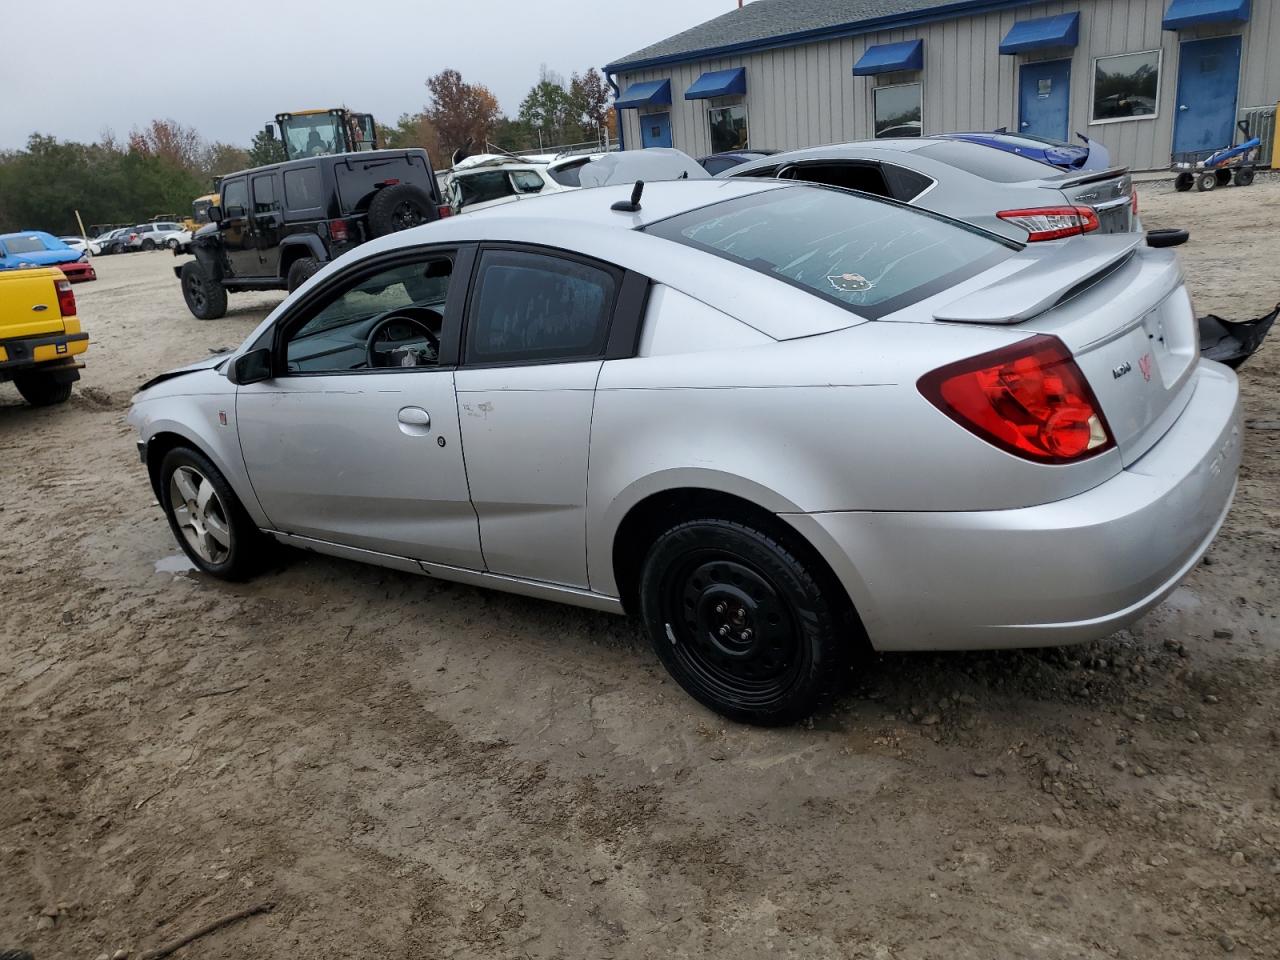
(206, 297)
(399, 207)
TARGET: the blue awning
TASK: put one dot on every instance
(718, 83)
(650, 93)
(1059, 31)
(1191, 13)
(889, 57)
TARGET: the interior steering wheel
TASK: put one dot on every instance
(371, 352)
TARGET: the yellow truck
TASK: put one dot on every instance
(40, 335)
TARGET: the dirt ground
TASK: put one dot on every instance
(411, 769)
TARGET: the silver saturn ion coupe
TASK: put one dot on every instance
(775, 420)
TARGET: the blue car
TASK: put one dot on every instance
(35, 248)
(1090, 155)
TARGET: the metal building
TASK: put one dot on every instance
(1146, 77)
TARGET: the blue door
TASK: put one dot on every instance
(1044, 98)
(1208, 75)
(655, 129)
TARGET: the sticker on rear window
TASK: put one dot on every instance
(849, 282)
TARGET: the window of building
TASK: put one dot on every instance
(898, 110)
(728, 127)
(1126, 87)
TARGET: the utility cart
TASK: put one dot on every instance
(1209, 169)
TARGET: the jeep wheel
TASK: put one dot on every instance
(206, 298)
(42, 389)
(148, 244)
(399, 207)
(300, 271)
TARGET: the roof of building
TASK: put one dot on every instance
(776, 22)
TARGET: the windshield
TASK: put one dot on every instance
(25, 245)
(312, 136)
(868, 255)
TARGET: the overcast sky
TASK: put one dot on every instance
(227, 68)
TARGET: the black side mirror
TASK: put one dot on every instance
(251, 367)
(214, 213)
(269, 131)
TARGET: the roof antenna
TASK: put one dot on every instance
(632, 205)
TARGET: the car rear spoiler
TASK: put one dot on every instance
(1047, 280)
(1091, 176)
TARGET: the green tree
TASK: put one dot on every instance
(265, 149)
(589, 99)
(460, 112)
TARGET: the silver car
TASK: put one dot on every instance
(1007, 194)
(775, 420)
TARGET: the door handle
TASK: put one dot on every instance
(1025, 124)
(414, 417)
(1182, 106)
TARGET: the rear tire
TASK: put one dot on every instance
(300, 271)
(206, 298)
(1224, 177)
(1206, 181)
(1183, 182)
(741, 622)
(42, 389)
(148, 244)
(1243, 177)
(399, 207)
(206, 517)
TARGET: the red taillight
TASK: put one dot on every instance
(66, 298)
(1052, 223)
(386, 183)
(338, 231)
(1133, 198)
(1029, 399)
(445, 210)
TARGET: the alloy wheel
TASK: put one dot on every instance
(200, 514)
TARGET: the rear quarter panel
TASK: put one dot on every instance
(827, 423)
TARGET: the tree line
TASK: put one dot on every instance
(162, 167)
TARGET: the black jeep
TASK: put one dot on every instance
(277, 225)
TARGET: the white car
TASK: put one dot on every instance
(79, 246)
(149, 236)
(490, 179)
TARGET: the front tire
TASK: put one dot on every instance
(1183, 182)
(300, 271)
(206, 516)
(206, 298)
(1243, 177)
(741, 622)
(1206, 181)
(42, 389)
(148, 245)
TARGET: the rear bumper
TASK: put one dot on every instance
(78, 272)
(29, 353)
(1065, 572)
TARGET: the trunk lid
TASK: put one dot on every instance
(29, 303)
(1108, 192)
(1122, 310)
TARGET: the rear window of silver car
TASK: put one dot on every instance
(872, 256)
(990, 163)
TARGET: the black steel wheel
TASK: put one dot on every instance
(741, 622)
(1183, 182)
(206, 298)
(1243, 177)
(1223, 175)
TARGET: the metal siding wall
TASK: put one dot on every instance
(805, 95)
